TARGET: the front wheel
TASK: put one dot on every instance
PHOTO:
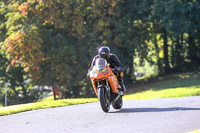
(104, 101)
(118, 104)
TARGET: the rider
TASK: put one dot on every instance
(113, 60)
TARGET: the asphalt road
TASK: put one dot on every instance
(169, 115)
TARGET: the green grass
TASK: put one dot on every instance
(177, 92)
(50, 98)
(184, 85)
(44, 104)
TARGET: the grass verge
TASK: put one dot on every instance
(181, 85)
(43, 105)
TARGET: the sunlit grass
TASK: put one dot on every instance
(45, 104)
(50, 98)
(166, 93)
(185, 85)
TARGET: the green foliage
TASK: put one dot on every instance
(55, 41)
(11, 23)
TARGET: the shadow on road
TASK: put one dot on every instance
(135, 110)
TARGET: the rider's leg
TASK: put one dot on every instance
(121, 83)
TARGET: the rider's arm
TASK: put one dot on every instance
(93, 63)
(118, 63)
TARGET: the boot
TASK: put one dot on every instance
(123, 88)
(121, 83)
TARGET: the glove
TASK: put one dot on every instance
(116, 70)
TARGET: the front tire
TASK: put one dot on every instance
(118, 104)
(104, 101)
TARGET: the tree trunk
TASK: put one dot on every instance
(178, 56)
(198, 49)
(16, 95)
(157, 53)
(76, 90)
(173, 55)
(192, 50)
(166, 55)
(26, 99)
(54, 94)
(131, 69)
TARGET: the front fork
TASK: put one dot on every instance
(107, 89)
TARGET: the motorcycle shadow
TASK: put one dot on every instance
(144, 110)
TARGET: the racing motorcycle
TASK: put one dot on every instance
(106, 85)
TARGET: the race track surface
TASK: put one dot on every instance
(168, 115)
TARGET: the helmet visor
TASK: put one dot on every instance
(104, 55)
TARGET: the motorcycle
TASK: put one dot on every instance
(106, 85)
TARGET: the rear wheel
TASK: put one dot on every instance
(104, 101)
(118, 104)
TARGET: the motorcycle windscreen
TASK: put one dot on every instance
(100, 64)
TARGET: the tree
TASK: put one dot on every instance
(55, 41)
(180, 20)
(49, 61)
(14, 75)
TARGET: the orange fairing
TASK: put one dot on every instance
(113, 83)
(103, 71)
